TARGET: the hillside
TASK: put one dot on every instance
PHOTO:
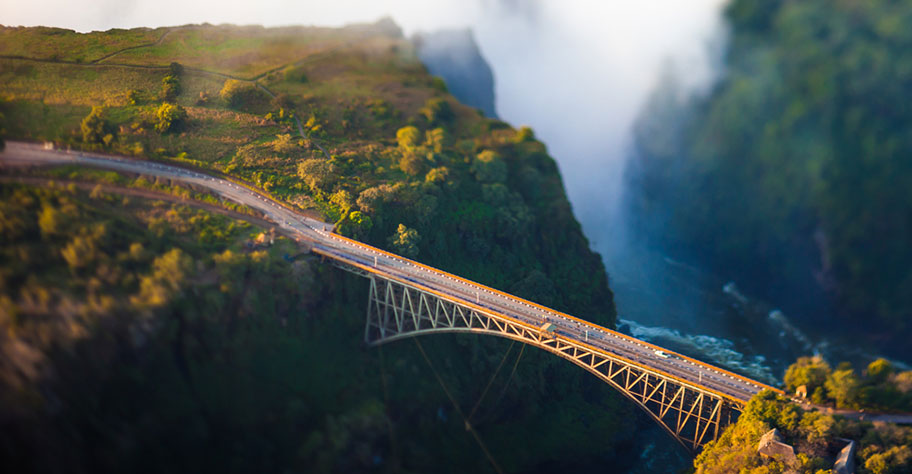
(146, 335)
(792, 175)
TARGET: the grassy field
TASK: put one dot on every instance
(67, 45)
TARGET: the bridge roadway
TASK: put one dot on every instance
(731, 386)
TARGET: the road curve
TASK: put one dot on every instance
(319, 234)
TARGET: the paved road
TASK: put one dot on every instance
(320, 235)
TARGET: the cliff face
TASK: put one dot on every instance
(454, 56)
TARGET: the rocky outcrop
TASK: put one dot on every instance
(845, 461)
(771, 445)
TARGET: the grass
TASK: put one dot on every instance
(67, 45)
(244, 51)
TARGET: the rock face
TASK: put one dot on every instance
(771, 445)
(454, 56)
(845, 461)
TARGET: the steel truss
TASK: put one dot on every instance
(692, 415)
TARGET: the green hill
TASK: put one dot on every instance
(145, 335)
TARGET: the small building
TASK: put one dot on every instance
(801, 391)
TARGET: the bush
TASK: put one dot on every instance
(405, 241)
(408, 137)
(437, 110)
(489, 167)
(524, 134)
(94, 126)
(169, 117)
(411, 163)
(317, 174)
(237, 93)
(171, 88)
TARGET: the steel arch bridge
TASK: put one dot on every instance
(398, 309)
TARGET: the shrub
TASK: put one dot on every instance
(489, 167)
(133, 97)
(317, 174)
(408, 137)
(405, 241)
(284, 143)
(524, 134)
(436, 139)
(94, 127)
(237, 93)
(437, 110)
(411, 163)
(169, 117)
(171, 88)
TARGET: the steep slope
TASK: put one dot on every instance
(792, 176)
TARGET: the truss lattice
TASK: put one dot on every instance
(692, 415)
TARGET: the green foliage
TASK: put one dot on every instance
(238, 94)
(405, 241)
(408, 137)
(489, 167)
(134, 97)
(284, 143)
(524, 134)
(170, 88)
(94, 126)
(437, 139)
(814, 435)
(843, 386)
(794, 166)
(437, 110)
(169, 117)
(318, 174)
(811, 372)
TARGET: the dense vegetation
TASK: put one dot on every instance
(815, 436)
(881, 387)
(156, 338)
(793, 173)
(818, 436)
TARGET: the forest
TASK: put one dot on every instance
(792, 174)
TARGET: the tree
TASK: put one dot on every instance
(411, 163)
(237, 93)
(359, 224)
(843, 385)
(489, 167)
(171, 88)
(437, 110)
(811, 372)
(439, 175)
(169, 117)
(94, 126)
(405, 241)
(879, 371)
(408, 137)
(318, 174)
(436, 139)
(284, 143)
(524, 134)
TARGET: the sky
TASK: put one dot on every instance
(576, 71)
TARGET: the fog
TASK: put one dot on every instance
(577, 71)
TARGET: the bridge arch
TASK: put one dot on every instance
(692, 415)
